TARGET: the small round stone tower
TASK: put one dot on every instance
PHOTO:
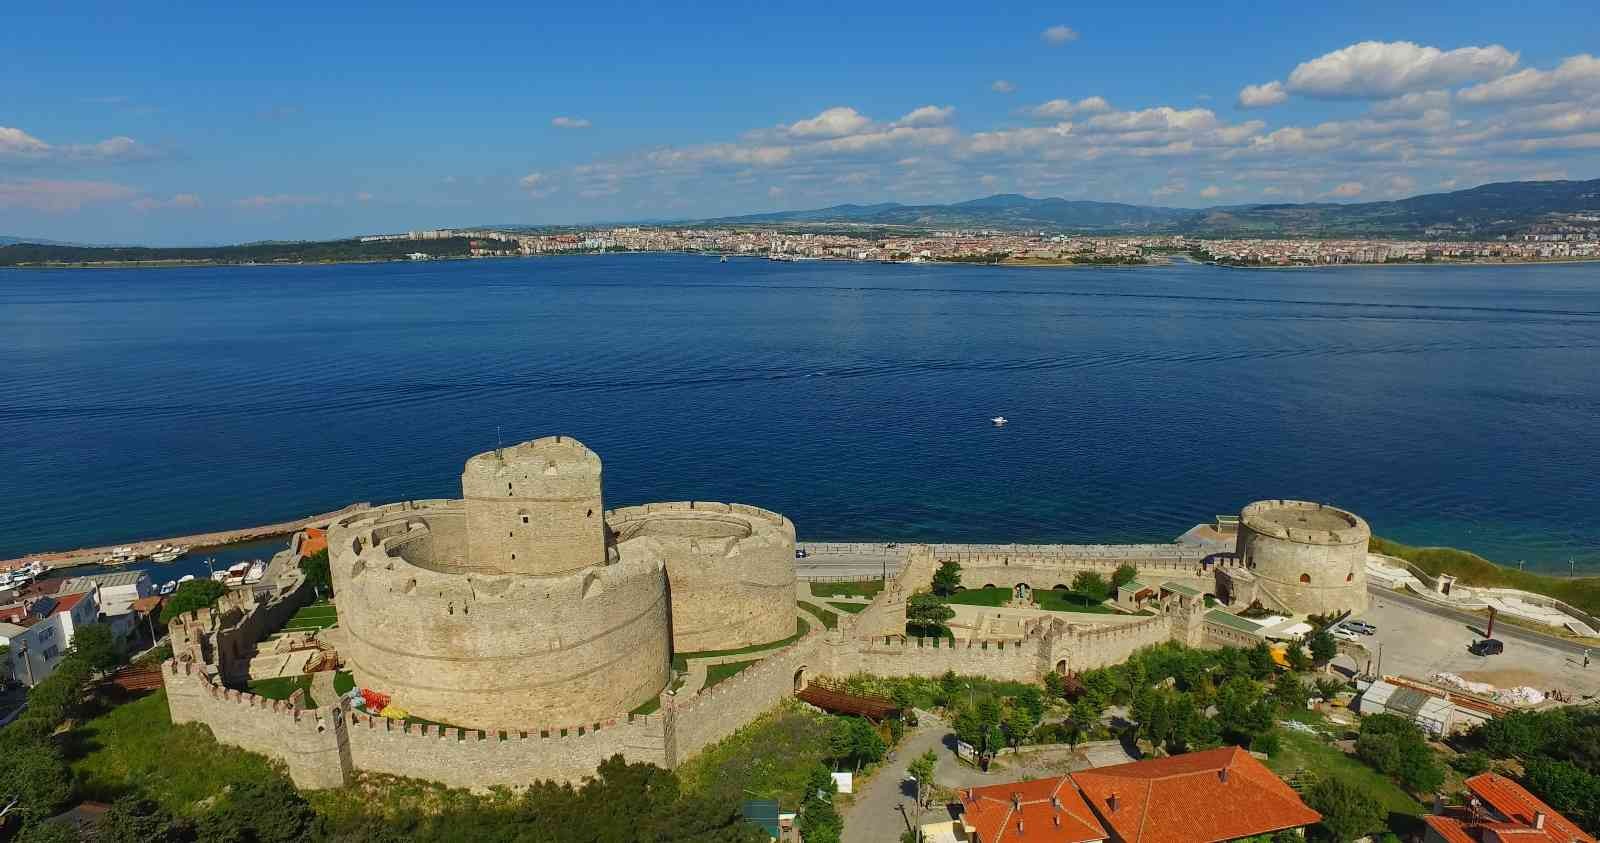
(534, 508)
(1306, 557)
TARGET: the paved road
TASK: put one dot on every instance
(874, 816)
(1418, 639)
(1502, 630)
(847, 565)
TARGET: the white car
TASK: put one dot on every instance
(1345, 635)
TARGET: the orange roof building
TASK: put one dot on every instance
(1041, 811)
(1198, 797)
(315, 542)
(1499, 810)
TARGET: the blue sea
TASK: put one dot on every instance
(1448, 405)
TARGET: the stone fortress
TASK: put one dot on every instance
(526, 602)
(536, 621)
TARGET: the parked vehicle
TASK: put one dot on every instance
(1487, 647)
(1361, 626)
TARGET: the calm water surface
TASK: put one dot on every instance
(1447, 405)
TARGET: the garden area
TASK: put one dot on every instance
(866, 588)
(1054, 600)
(319, 615)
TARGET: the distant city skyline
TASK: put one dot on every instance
(176, 126)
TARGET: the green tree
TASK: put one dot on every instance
(1054, 685)
(1397, 747)
(921, 769)
(1261, 661)
(1299, 659)
(96, 646)
(34, 774)
(1290, 693)
(979, 726)
(1328, 688)
(1018, 724)
(866, 745)
(1243, 712)
(1349, 811)
(194, 594)
(1124, 574)
(1567, 788)
(315, 567)
(926, 616)
(1091, 585)
(1323, 647)
(1085, 716)
(947, 580)
(949, 688)
(269, 811)
(135, 819)
(48, 833)
(819, 821)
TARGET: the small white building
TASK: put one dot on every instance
(117, 591)
(39, 632)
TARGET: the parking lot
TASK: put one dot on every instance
(1417, 643)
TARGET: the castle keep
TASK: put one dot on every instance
(525, 602)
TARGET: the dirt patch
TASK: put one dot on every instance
(1510, 678)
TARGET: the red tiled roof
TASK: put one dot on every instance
(315, 542)
(1218, 794)
(1516, 804)
(1451, 829)
(65, 602)
(1041, 811)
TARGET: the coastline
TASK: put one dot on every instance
(54, 560)
(1021, 263)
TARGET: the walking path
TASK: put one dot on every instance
(874, 816)
(88, 555)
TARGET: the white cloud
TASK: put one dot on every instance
(537, 185)
(17, 145)
(1163, 117)
(1389, 68)
(180, 202)
(775, 192)
(1211, 192)
(1415, 102)
(1058, 109)
(1003, 86)
(928, 115)
(1261, 96)
(1580, 73)
(1171, 188)
(832, 123)
(1347, 190)
(564, 122)
(262, 201)
(1402, 185)
(59, 196)
(1059, 34)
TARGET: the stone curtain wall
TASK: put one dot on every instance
(722, 709)
(307, 742)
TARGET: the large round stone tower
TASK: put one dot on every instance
(1305, 557)
(508, 608)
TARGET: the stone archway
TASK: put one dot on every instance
(1021, 592)
(800, 679)
(1061, 667)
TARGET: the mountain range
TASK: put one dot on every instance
(1483, 211)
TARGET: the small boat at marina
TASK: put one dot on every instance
(185, 578)
(122, 556)
(256, 571)
(168, 553)
(234, 576)
(167, 588)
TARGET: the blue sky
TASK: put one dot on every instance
(158, 123)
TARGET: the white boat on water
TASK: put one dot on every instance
(185, 578)
(257, 570)
(121, 556)
(167, 588)
(168, 553)
(999, 421)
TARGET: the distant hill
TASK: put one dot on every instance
(1007, 211)
(7, 240)
(1489, 210)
